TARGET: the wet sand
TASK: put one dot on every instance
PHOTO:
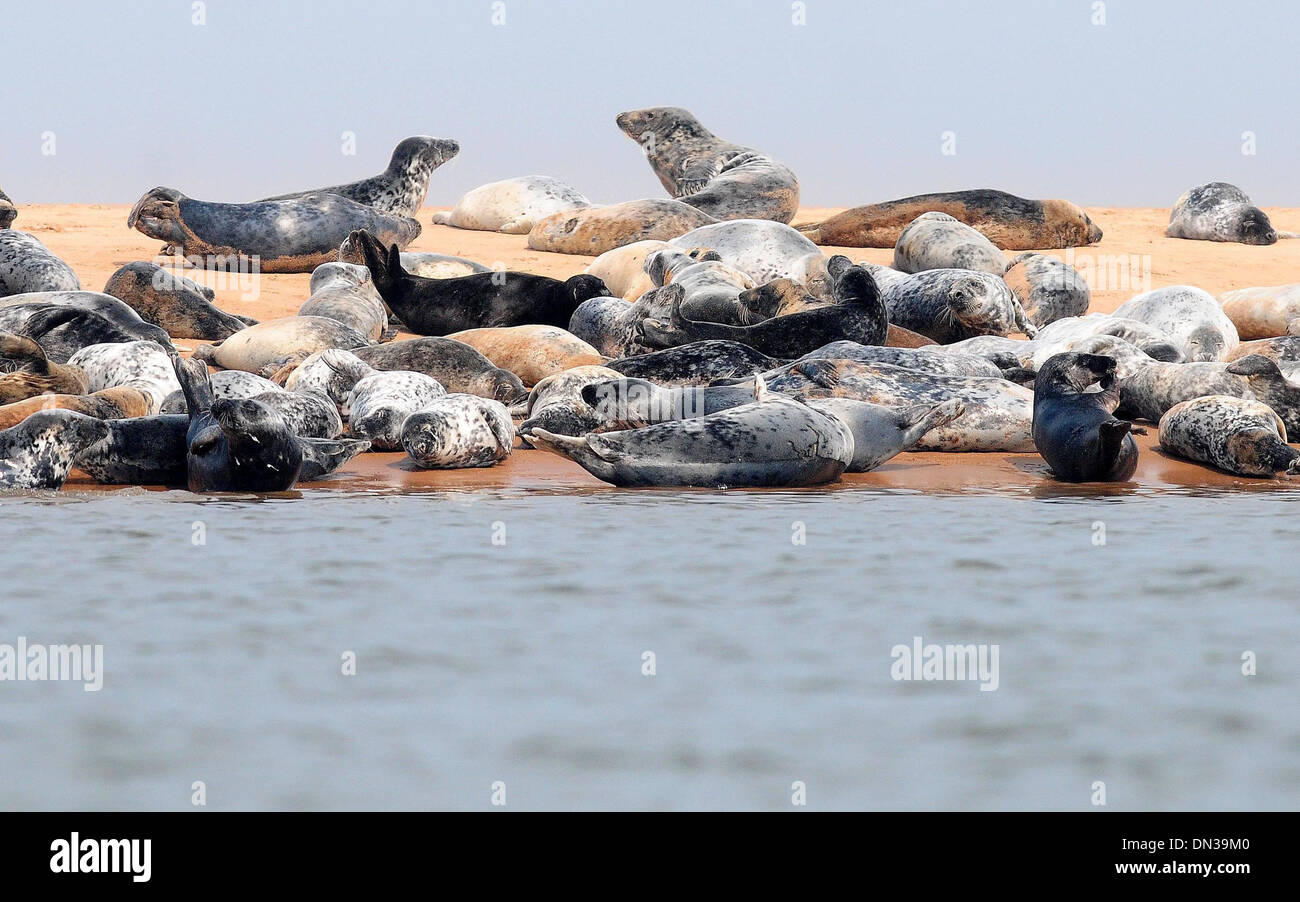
(1133, 255)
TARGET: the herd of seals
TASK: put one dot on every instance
(709, 342)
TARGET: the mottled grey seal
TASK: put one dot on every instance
(531, 352)
(1186, 314)
(697, 363)
(1217, 211)
(613, 326)
(26, 266)
(402, 187)
(275, 236)
(1234, 434)
(309, 414)
(555, 404)
(938, 241)
(136, 364)
(64, 322)
(923, 360)
(1150, 339)
(1149, 388)
(712, 288)
(774, 441)
(512, 206)
(40, 451)
(271, 344)
(25, 370)
(597, 230)
(1075, 429)
(458, 431)
(950, 305)
(760, 249)
(107, 404)
(181, 307)
(1048, 289)
(725, 180)
(379, 404)
(882, 433)
(226, 385)
(457, 366)
(332, 372)
(344, 292)
(8, 212)
(1262, 312)
(1012, 223)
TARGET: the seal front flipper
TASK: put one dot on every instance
(697, 172)
(321, 457)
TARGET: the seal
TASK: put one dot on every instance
(632, 403)
(28, 266)
(8, 212)
(418, 263)
(275, 236)
(713, 288)
(882, 433)
(109, 404)
(1148, 388)
(1047, 288)
(1237, 435)
(344, 292)
(696, 363)
(458, 431)
(623, 268)
(1075, 429)
(858, 315)
(1011, 223)
(179, 306)
(379, 404)
(762, 250)
(444, 306)
(613, 326)
(309, 414)
(531, 352)
(556, 405)
(1145, 337)
(949, 305)
(400, 189)
(939, 241)
(332, 373)
(1217, 211)
(268, 346)
(933, 360)
(226, 385)
(40, 451)
(1259, 313)
(512, 206)
(26, 371)
(234, 445)
(455, 365)
(596, 230)
(1188, 315)
(725, 180)
(134, 364)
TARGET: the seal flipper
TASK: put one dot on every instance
(697, 172)
(1112, 433)
(819, 372)
(321, 457)
(924, 418)
(25, 353)
(579, 450)
(193, 377)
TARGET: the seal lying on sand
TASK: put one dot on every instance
(623, 268)
(938, 241)
(343, 292)
(882, 433)
(27, 371)
(1075, 429)
(269, 345)
(697, 363)
(455, 365)
(597, 230)
(1262, 312)
(444, 306)
(108, 404)
(400, 189)
(512, 206)
(458, 431)
(556, 405)
(725, 180)
(379, 404)
(26, 266)
(1217, 211)
(1240, 436)
(40, 451)
(772, 442)
(135, 364)
(1186, 314)
(8, 212)
(1012, 223)
(1148, 388)
(1047, 288)
(295, 235)
(182, 308)
(760, 249)
(950, 305)
(713, 288)
(531, 352)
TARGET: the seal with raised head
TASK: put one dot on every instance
(760, 249)
(1217, 211)
(596, 230)
(1048, 289)
(512, 206)
(623, 268)
(108, 404)
(135, 364)
(773, 441)
(1187, 314)
(1262, 312)
(696, 363)
(949, 305)
(25, 371)
(939, 241)
(181, 307)
(8, 212)
(1075, 429)
(401, 188)
(274, 236)
(1234, 434)
(458, 431)
(1011, 223)
(40, 451)
(444, 306)
(725, 180)
(344, 292)
(531, 352)
(26, 266)
(269, 345)
(379, 404)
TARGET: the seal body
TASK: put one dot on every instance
(454, 364)
(266, 347)
(25, 370)
(8, 212)
(401, 188)
(379, 404)
(108, 404)
(39, 452)
(623, 268)
(597, 230)
(1011, 223)
(344, 292)
(458, 431)
(938, 241)
(27, 266)
(1217, 211)
(512, 206)
(1240, 436)
(1047, 288)
(1189, 315)
(531, 352)
(922, 360)
(136, 364)
(179, 306)
(1150, 339)
(712, 288)
(556, 403)
(1262, 312)
(725, 180)
(882, 433)
(1075, 430)
(696, 363)
(762, 250)
(949, 305)
(1148, 389)
(274, 236)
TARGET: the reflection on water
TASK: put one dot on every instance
(522, 662)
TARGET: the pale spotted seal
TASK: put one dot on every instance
(458, 431)
(454, 364)
(697, 363)
(760, 249)
(135, 364)
(949, 305)
(181, 307)
(40, 451)
(555, 404)
(512, 206)
(1240, 436)
(882, 433)
(1048, 289)
(595, 230)
(938, 241)
(26, 266)
(344, 292)
(1075, 429)
(1187, 314)
(271, 344)
(713, 288)
(379, 404)
(1217, 211)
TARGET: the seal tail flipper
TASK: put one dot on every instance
(1023, 325)
(581, 450)
(1282, 235)
(819, 372)
(924, 418)
(25, 352)
(321, 457)
(1112, 432)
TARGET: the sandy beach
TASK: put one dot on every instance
(1133, 256)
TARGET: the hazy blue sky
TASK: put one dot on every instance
(1043, 102)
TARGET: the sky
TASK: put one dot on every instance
(1114, 103)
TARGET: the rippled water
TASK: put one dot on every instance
(522, 662)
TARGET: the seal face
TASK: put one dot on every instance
(400, 189)
(1217, 211)
(40, 451)
(1075, 430)
(181, 307)
(713, 288)
(8, 212)
(556, 404)
(950, 305)
(938, 241)
(725, 180)
(1234, 434)
(512, 206)
(379, 404)
(1187, 314)
(28, 266)
(458, 431)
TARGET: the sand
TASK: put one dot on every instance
(1134, 255)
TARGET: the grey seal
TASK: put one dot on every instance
(1075, 429)
(1234, 434)
(40, 451)
(379, 404)
(1186, 314)
(939, 241)
(950, 305)
(458, 431)
(1217, 211)
(1048, 289)
(181, 307)
(512, 206)
(27, 265)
